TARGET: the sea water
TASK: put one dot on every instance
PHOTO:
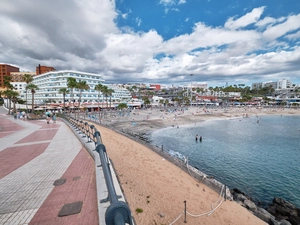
(258, 155)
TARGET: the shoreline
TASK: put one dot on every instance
(137, 127)
(149, 120)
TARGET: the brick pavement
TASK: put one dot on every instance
(33, 156)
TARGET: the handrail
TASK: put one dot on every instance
(118, 212)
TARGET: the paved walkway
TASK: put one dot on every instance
(34, 155)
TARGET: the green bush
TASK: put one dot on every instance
(139, 210)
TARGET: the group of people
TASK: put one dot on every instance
(200, 138)
(19, 115)
(50, 115)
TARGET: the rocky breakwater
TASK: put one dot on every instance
(280, 212)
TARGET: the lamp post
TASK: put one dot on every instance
(191, 88)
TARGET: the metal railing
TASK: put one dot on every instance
(118, 212)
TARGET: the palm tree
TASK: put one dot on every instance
(10, 94)
(32, 87)
(72, 83)
(7, 84)
(161, 101)
(64, 91)
(146, 101)
(82, 85)
(167, 102)
(105, 93)
(211, 89)
(109, 92)
(122, 106)
(14, 98)
(9, 87)
(98, 88)
(27, 78)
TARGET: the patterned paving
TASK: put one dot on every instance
(33, 155)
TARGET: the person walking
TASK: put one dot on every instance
(48, 116)
(54, 117)
(24, 115)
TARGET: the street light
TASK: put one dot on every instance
(191, 87)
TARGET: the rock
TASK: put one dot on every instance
(284, 203)
(285, 211)
(285, 222)
(239, 197)
(264, 215)
(295, 220)
(274, 222)
(235, 190)
(282, 210)
(250, 205)
(272, 210)
(161, 214)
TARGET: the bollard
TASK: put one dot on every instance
(184, 211)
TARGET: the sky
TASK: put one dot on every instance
(169, 42)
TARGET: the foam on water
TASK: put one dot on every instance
(260, 156)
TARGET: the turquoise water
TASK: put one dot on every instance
(259, 156)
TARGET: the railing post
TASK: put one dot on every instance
(83, 129)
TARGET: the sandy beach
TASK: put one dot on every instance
(156, 186)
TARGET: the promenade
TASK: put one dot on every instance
(46, 175)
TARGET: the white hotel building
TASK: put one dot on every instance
(50, 83)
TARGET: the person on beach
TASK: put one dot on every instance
(200, 139)
(196, 137)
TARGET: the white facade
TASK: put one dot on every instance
(50, 83)
(283, 84)
(20, 87)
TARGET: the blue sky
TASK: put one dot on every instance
(156, 41)
(173, 18)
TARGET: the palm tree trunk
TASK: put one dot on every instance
(110, 101)
(26, 103)
(64, 97)
(32, 104)
(9, 105)
(99, 105)
(102, 113)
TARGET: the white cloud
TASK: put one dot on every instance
(204, 36)
(293, 36)
(85, 38)
(291, 24)
(138, 21)
(245, 20)
(265, 21)
(167, 2)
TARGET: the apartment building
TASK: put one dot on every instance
(43, 69)
(5, 70)
(19, 76)
(50, 83)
